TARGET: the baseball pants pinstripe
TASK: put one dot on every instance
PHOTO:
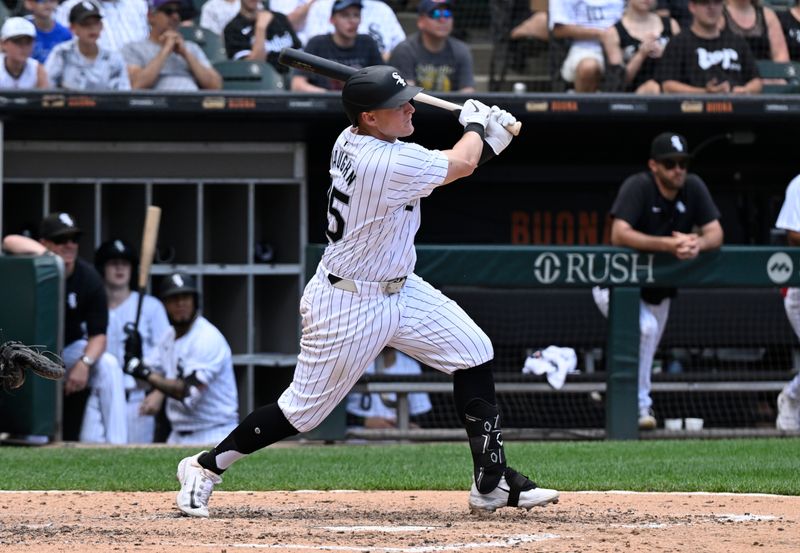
(344, 331)
(792, 305)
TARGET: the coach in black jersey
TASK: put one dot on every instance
(259, 35)
(704, 60)
(664, 209)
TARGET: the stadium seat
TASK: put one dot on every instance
(788, 71)
(249, 75)
(209, 41)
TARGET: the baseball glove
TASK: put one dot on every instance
(15, 357)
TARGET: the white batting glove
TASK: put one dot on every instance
(497, 137)
(474, 111)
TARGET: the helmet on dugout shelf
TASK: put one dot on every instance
(375, 87)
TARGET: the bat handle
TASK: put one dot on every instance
(514, 128)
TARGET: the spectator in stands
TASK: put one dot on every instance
(677, 10)
(636, 42)
(377, 20)
(124, 21)
(117, 261)
(790, 22)
(432, 58)
(759, 26)
(344, 45)
(18, 69)
(192, 368)
(48, 31)
(81, 64)
(259, 34)
(379, 410)
(295, 10)
(216, 14)
(164, 60)
(584, 22)
(704, 60)
(85, 322)
(658, 211)
(789, 219)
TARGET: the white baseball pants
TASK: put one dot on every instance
(652, 322)
(104, 419)
(791, 304)
(344, 331)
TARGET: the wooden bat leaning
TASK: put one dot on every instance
(340, 72)
(152, 220)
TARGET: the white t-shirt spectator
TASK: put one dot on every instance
(67, 68)
(215, 14)
(124, 21)
(377, 20)
(26, 79)
(595, 14)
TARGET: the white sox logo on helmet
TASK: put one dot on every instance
(400, 80)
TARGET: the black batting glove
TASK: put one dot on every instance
(137, 369)
(133, 343)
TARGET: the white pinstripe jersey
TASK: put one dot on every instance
(374, 207)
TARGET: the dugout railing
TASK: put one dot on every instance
(728, 322)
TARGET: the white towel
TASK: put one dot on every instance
(553, 361)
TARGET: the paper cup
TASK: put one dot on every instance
(692, 424)
(673, 424)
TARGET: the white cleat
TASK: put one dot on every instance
(527, 494)
(197, 483)
(647, 419)
(788, 413)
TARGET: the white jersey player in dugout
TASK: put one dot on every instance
(365, 296)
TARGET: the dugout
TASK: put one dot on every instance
(242, 177)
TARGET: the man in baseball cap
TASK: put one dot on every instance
(432, 58)
(85, 324)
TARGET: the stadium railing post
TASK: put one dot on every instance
(623, 364)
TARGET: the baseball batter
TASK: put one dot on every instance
(789, 219)
(365, 295)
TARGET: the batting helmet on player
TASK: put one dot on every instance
(375, 87)
(116, 249)
(179, 283)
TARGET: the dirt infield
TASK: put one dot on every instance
(413, 522)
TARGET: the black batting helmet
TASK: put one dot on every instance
(115, 249)
(178, 283)
(375, 87)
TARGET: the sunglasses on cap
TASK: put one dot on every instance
(670, 163)
(64, 238)
(440, 13)
(170, 10)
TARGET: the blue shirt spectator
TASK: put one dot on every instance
(49, 32)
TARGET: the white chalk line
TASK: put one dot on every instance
(511, 541)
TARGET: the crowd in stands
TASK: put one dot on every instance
(640, 46)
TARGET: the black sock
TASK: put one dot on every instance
(468, 384)
(264, 426)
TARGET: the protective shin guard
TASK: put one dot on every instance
(486, 442)
(264, 426)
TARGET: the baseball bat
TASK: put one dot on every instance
(152, 220)
(340, 72)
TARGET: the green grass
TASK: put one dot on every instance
(746, 465)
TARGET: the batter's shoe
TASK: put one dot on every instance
(514, 490)
(788, 413)
(647, 419)
(197, 483)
